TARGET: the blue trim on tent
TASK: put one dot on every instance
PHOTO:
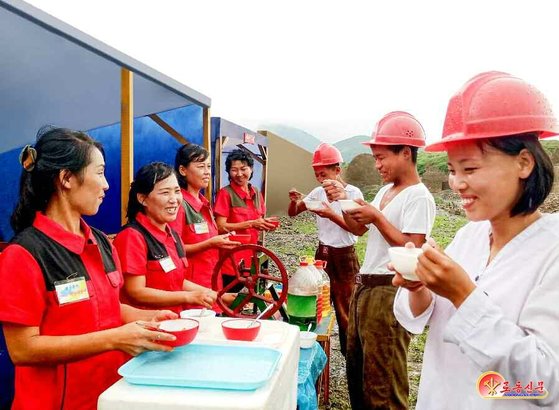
(151, 143)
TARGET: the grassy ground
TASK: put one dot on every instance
(298, 238)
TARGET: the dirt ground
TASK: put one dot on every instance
(339, 398)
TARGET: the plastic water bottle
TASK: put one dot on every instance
(325, 288)
(319, 297)
(302, 295)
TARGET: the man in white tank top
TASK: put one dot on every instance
(402, 211)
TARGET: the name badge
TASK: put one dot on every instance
(71, 290)
(167, 264)
(201, 227)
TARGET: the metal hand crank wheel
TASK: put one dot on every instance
(254, 277)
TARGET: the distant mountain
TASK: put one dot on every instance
(351, 147)
(294, 135)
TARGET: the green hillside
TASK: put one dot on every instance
(437, 160)
(552, 148)
(351, 147)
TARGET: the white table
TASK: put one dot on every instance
(279, 393)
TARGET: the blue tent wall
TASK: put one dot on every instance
(6, 375)
(151, 143)
(10, 169)
(234, 132)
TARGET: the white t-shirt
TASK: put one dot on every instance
(329, 233)
(509, 324)
(411, 211)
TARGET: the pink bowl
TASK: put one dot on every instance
(240, 237)
(184, 330)
(236, 329)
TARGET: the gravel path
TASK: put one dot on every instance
(339, 398)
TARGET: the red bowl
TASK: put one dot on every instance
(275, 223)
(240, 237)
(184, 330)
(236, 329)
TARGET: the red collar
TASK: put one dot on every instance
(244, 195)
(195, 202)
(160, 235)
(74, 243)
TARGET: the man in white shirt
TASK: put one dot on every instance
(335, 243)
(402, 211)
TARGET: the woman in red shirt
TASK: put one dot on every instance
(239, 206)
(151, 252)
(195, 220)
(59, 303)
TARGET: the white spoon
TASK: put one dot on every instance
(260, 315)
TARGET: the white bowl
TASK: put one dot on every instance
(314, 205)
(307, 339)
(177, 325)
(348, 204)
(195, 314)
(405, 260)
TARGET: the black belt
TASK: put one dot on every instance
(372, 280)
(330, 250)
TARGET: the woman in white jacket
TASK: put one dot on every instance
(491, 299)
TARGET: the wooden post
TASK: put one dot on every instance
(126, 138)
(206, 124)
(219, 142)
(264, 153)
(170, 130)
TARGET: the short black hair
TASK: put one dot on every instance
(538, 185)
(185, 155)
(396, 149)
(332, 166)
(144, 182)
(238, 155)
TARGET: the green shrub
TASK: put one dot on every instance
(426, 160)
(445, 228)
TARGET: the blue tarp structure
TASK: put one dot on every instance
(232, 137)
(51, 73)
(151, 143)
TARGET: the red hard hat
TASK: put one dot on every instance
(326, 154)
(398, 128)
(496, 104)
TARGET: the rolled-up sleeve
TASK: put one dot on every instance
(403, 313)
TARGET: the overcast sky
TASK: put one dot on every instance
(330, 68)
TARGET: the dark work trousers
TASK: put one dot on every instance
(377, 350)
(342, 266)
